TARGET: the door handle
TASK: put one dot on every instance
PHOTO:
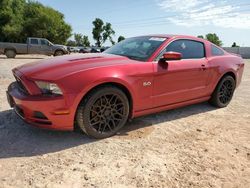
(203, 67)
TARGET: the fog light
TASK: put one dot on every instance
(39, 115)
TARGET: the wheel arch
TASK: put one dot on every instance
(119, 85)
(227, 73)
(230, 73)
(58, 49)
(9, 48)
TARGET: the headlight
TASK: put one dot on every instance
(49, 88)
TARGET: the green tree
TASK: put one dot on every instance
(108, 33)
(97, 31)
(71, 43)
(234, 45)
(41, 21)
(85, 41)
(20, 19)
(81, 40)
(11, 20)
(120, 38)
(200, 36)
(78, 39)
(101, 33)
(212, 37)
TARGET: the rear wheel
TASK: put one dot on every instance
(103, 112)
(58, 53)
(223, 92)
(10, 53)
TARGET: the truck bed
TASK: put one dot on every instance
(21, 48)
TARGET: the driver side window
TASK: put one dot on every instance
(189, 49)
(44, 42)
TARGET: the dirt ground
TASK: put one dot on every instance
(195, 146)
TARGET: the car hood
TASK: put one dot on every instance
(58, 67)
(60, 46)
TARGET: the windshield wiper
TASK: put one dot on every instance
(129, 56)
(134, 57)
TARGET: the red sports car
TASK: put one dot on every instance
(138, 76)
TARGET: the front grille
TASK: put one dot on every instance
(20, 85)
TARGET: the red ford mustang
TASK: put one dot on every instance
(138, 76)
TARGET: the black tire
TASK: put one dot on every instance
(103, 112)
(223, 92)
(59, 53)
(10, 53)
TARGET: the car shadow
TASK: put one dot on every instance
(17, 139)
(165, 116)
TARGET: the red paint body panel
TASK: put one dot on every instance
(153, 86)
(45, 105)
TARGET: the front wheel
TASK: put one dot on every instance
(103, 112)
(58, 53)
(223, 92)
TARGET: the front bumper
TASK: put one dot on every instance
(41, 111)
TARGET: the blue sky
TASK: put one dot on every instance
(230, 19)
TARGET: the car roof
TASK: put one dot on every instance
(172, 36)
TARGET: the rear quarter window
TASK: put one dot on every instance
(216, 51)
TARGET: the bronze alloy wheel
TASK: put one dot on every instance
(103, 112)
(106, 113)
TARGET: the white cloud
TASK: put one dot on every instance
(178, 5)
(226, 14)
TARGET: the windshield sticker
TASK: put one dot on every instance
(183, 45)
(157, 39)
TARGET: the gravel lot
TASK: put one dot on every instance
(196, 146)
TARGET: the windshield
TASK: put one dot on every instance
(137, 48)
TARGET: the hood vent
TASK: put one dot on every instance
(85, 58)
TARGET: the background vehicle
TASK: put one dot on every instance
(84, 50)
(33, 46)
(104, 48)
(73, 49)
(138, 76)
(95, 50)
(90, 50)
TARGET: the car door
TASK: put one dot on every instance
(46, 48)
(34, 46)
(181, 80)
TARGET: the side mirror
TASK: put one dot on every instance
(171, 56)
